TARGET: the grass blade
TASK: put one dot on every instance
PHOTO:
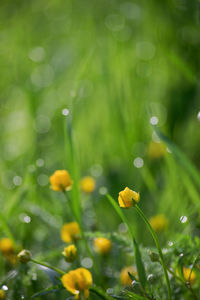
(52, 289)
(182, 158)
(138, 258)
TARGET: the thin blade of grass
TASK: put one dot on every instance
(181, 157)
(52, 289)
(6, 228)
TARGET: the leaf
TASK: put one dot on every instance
(131, 276)
(138, 258)
(139, 264)
(52, 289)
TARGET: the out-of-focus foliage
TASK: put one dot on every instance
(106, 72)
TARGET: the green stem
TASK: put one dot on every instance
(48, 266)
(159, 249)
(80, 225)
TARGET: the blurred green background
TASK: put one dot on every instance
(123, 66)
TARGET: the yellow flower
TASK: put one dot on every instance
(60, 181)
(156, 150)
(70, 232)
(188, 275)
(70, 253)
(128, 198)
(2, 295)
(102, 245)
(124, 277)
(6, 246)
(78, 281)
(87, 184)
(159, 222)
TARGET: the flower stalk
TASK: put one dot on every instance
(47, 266)
(158, 247)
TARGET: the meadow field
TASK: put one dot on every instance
(100, 147)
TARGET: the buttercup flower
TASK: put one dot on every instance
(124, 277)
(102, 245)
(70, 253)
(159, 222)
(156, 150)
(188, 275)
(24, 256)
(78, 281)
(60, 181)
(2, 295)
(6, 246)
(87, 184)
(128, 198)
(70, 232)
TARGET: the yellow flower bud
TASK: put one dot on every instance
(2, 295)
(87, 184)
(78, 282)
(24, 256)
(156, 150)
(70, 253)
(128, 198)
(102, 245)
(6, 246)
(124, 277)
(70, 232)
(188, 275)
(159, 222)
(60, 181)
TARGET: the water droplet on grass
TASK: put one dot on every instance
(154, 120)
(17, 180)
(183, 219)
(65, 112)
(87, 262)
(138, 162)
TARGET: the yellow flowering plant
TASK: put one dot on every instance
(60, 181)
(78, 282)
(2, 295)
(102, 245)
(70, 253)
(159, 222)
(70, 232)
(87, 184)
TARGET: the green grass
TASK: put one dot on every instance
(114, 65)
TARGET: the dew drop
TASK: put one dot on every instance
(17, 180)
(65, 112)
(154, 120)
(183, 219)
(138, 162)
(87, 262)
(103, 190)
